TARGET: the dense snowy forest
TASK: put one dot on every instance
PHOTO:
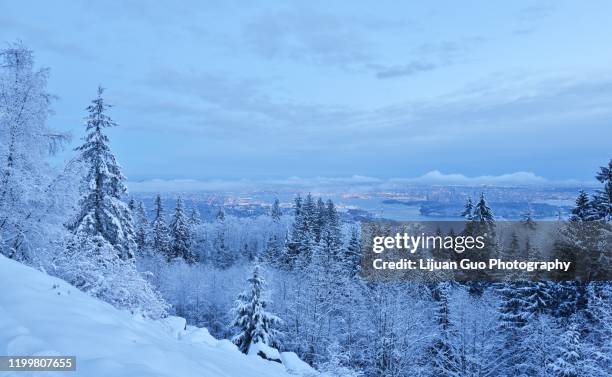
(288, 280)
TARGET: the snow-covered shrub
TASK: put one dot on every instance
(93, 265)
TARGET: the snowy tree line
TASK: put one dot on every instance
(290, 281)
(325, 311)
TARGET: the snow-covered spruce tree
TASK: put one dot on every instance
(598, 320)
(581, 239)
(309, 210)
(198, 239)
(482, 224)
(511, 309)
(524, 346)
(602, 201)
(568, 361)
(443, 354)
(252, 320)
(26, 143)
(301, 236)
(141, 228)
(98, 258)
(275, 211)
(534, 344)
(353, 253)
(220, 216)
(273, 252)
(482, 212)
(527, 219)
(132, 204)
(319, 219)
(583, 210)
(102, 211)
(222, 255)
(468, 210)
(195, 218)
(160, 238)
(180, 236)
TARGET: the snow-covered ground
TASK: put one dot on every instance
(42, 315)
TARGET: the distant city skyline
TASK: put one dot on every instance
(266, 91)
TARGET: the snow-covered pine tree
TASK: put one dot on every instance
(353, 253)
(602, 201)
(141, 228)
(482, 224)
(319, 219)
(98, 258)
(598, 323)
(222, 255)
(273, 252)
(102, 211)
(331, 232)
(297, 205)
(583, 210)
(525, 326)
(220, 216)
(180, 236)
(511, 322)
(443, 353)
(132, 204)
(468, 210)
(195, 218)
(301, 237)
(309, 211)
(198, 234)
(482, 212)
(568, 361)
(160, 238)
(527, 219)
(275, 211)
(252, 320)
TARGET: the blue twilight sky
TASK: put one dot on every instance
(268, 90)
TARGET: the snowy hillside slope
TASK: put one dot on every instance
(42, 315)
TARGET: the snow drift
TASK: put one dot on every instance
(43, 315)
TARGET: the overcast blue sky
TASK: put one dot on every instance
(266, 90)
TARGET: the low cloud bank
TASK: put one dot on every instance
(350, 183)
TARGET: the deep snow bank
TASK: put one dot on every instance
(42, 315)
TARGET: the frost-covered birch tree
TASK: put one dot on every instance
(26, 142)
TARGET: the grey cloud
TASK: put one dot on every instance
(432, 56)
(231, 105)
(409, 69)
(41, 38)
(306, 35)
